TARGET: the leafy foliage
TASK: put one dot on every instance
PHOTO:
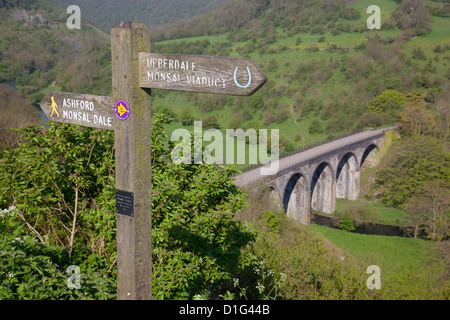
(61, 180)
(409, 165)
(387, 101)
(186, 117)
(301, 265)
(416, 119)
(347, 223)
(412, 14)
(428, 210)
(197, 243)
(30, 270)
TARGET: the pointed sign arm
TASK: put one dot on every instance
(81, 109)
(221, 75)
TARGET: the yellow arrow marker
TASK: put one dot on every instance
(121, 109)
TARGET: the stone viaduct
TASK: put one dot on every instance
(313, 178)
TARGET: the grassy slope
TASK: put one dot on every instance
(384, 215)
(297, 53)
(59, 54)
(392, 254)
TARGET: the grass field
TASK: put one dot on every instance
(381, 213)
(391, 254)
(368, 211)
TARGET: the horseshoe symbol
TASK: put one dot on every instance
(249, 78)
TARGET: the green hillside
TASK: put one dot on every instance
(324, 66)
(328, 67)
(38, 51)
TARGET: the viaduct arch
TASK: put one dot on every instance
(313, 178)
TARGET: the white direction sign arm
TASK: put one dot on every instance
(221, 75)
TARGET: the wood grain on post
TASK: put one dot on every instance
(221, 75)
(133, 162)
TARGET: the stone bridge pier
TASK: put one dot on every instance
(312, 179)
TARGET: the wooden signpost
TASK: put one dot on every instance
(134, 72)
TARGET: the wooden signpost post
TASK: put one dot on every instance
(134, 72)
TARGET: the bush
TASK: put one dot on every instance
(315, 127)
(30, 270)
(198, 246)
(388, 100)
(354, 214)
(211, 122)
(313, 47)
(186, 117)
(347, 223)
(168, 112)
(419, 54)
(60, 176)
(297, 264)
(197, 243)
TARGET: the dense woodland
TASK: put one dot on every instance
(327, 75)
(105, 13)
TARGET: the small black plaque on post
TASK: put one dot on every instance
(125, 203)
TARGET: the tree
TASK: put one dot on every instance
(416, 215)
(315, 127)
(375, 47)
(186, 117)
(410, 164)
(388, 100)
(415, 97)
(417, 120)
(437, 198)
(443, 108)
(429, 208)
(419, 54)
(168, 111)
(211, 122)
(412, 14)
